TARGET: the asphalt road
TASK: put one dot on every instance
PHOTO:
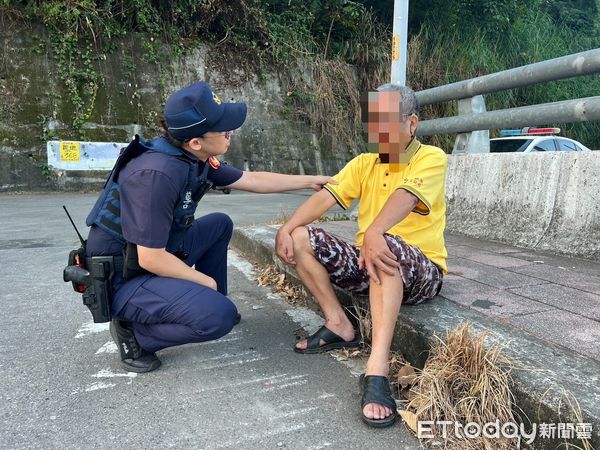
(62, 387)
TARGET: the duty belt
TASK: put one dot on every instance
(115, 261)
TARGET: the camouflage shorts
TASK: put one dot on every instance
(422, 279)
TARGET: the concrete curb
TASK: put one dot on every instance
(540, 388)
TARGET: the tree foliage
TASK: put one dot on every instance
(451, 39)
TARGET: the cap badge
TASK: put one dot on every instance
(216, 99)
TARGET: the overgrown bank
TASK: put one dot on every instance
(321, 54)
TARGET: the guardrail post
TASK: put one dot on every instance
(475, 141)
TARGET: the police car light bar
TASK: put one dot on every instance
(529, 131)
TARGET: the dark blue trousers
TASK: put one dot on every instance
(167, 311)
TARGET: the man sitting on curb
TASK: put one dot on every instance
(399, 255)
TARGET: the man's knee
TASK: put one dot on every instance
(301, 239)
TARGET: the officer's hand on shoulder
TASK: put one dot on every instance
(318, 181)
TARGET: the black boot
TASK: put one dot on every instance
(133, 357)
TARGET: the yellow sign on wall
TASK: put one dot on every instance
(69, 151)
(395, 48)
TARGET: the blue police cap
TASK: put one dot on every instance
(195, 110)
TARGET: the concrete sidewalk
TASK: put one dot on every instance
(551, 297)
(542, 308)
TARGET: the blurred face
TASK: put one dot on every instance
(213, 143)
(389, 131)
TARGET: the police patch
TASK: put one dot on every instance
(214, 162)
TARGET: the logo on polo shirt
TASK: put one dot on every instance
(216, 99)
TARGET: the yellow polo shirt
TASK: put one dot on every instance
(422, 171)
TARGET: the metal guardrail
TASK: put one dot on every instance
(471, 104)
(558, 112)
(578, 64)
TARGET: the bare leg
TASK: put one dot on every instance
(316, 279)
(385, 302)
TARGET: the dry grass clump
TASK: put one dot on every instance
(361, 316)
(280, 218)
(291, 293)
(465, 381)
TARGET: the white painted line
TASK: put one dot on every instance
(99, 385)
(284, 386)
(320, 446)
(293, 413)
(107, 373)
(252, 437)
(232, 363)
(91, 328)
(243, 383)
(306, 318)
(109, 347)
(227, 355)
(236, 261)
(220, 341)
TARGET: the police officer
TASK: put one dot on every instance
(170, 288)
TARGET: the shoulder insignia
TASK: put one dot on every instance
(214, 162)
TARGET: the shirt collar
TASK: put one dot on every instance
(411, 150)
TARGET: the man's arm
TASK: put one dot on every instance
(164, 264)
(375, 254)
(266, 182)
(313, 208)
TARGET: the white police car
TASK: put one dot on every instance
(530, 140)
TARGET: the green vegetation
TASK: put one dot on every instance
(489, 36)
(325, 52)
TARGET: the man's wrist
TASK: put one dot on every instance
(285, 229)
(374, 230)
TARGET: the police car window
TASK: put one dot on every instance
(547, 145)
(566, 146)
(508, 145)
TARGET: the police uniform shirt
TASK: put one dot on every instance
(150, 187)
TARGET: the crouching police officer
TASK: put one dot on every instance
(168, 272)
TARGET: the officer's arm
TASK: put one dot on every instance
(266, 182)
(164, 264)
(308, 212)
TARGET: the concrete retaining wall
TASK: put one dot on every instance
(547, 201)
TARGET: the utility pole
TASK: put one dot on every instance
(400, 42)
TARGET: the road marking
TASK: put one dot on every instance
(306, 318)
(245, 382)
(235, 260)
(293, 413)
(319, 446)
(285, 386)
(99, 385)
(109, 347)
(219, 341)
(107, 373)
(261, 435)
(227, 355)
(91, 328)
(232, 363)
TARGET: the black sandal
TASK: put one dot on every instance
(376, 389)
(332, 342)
